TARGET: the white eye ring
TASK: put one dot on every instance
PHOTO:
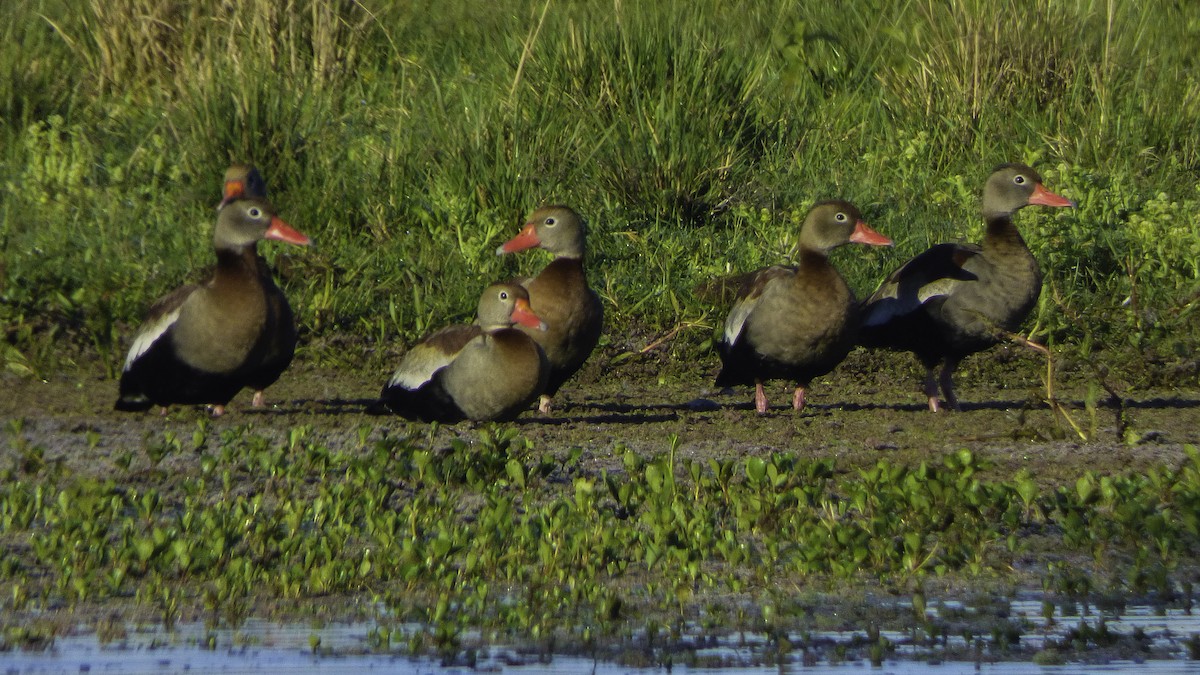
(1019, 179)
(550, 222)
(254, 212)
(503, 295)
(840, 217)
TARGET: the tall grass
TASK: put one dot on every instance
(409, 139)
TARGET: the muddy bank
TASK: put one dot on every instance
(860, 414)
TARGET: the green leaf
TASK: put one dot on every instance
(756, 469)
(516, 472)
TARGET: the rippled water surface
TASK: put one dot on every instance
(259, 646)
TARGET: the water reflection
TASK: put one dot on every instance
(259, 646)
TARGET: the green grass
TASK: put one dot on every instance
(409, 139)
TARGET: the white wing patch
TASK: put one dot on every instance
(419, 366)
(736, 321)
(149, 334)
(890, 303)
(936, 288)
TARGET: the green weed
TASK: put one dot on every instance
(482, 534)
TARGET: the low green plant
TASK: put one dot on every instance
(482, 534)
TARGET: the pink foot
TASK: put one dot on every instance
(760, 399)
(934, 404)
(259, 399)
(1037, 347)
(544, 404)
(218, 410)
(798, 399)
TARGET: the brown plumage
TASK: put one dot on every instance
(560, 294)
(957, 299)
(484, 371)
(795, 323)
(202, 343)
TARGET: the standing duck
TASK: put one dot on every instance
(487, 370)
(957, 299)
(202, 343)
(241, 181)
(795, 323)
(560, 294)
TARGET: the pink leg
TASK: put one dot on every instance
(259, 399)
(1031, 344)
(798, 399)
(162, 411)
(931, 389)
(760, 398)
(544, 404)
(218, 410)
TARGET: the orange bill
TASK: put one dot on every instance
(1043, 197)
(234, 189)
(526, 239)
(281, 231)
(863, 234)
(523, 315)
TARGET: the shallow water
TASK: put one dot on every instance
(83, 655)
(259, 646)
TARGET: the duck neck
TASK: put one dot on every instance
(1002, 234)
(234, 264)
(811, 258)
(564, 267)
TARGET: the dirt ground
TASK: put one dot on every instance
(867, 410)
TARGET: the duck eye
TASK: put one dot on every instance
(840, 217)
(550, 222)
(503, 295)
(254, 212)
(1019, 179)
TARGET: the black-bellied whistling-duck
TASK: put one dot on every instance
(202, 343)
(243, 180)
(484, 371)
(795, 323)
(957, 299)
(560, 294)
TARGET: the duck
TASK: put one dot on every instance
(202, 343)
(484, 371)
(956, 299)
(795, 322)
(244, 180)
(560, 294)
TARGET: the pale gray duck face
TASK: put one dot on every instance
(557, 229)
(1013, 186)
(834, 223)
(503, 305)
(243, 222)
